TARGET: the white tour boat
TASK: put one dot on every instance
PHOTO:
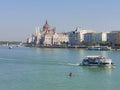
(96, 61)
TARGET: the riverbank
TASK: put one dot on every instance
(82, 47)
(64, 46)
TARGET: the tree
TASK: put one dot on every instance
(104, 44)
(117, 44)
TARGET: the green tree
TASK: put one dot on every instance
(117, 44)
(104, 44)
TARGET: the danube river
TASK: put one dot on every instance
(24, 68)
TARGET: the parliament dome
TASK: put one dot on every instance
(46, 26)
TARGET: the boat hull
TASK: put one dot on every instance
(101, 65)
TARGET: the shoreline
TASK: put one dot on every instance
(78, 47)
(81, 47)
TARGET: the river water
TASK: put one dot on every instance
(48, 69)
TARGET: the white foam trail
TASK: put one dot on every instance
(71, 64)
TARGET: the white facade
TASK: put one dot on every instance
(82, 32)
(29, 40)
(48, 39)
(95, 37)
(104, 36)
(77, 37)
(48, 36)
(59, 38)
(63, 37)
(56, 39)
(38, 35)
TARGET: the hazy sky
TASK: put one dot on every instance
(18, 18)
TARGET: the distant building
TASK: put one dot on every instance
(104, 36)
(60, 38)
(32, 40)
(63, 38)
(95, 37)
(76, 37)
(113, 37)
(47, 37)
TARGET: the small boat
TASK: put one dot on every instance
(99, 48)
(96, 61)
(10, 47)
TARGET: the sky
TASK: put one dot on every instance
(18, 18)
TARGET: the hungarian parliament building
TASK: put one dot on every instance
(47, 37)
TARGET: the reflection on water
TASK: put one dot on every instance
(96, 69)
(43, 69)
(104, 53)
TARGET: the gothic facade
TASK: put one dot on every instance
(47, 37)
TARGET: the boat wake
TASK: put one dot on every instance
(55, 63)
(39, 62)
(71, 64)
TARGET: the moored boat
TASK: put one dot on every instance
(10, 47)
(99, 48)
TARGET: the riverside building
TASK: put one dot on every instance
(95, 37)
(113, 37)
(76, 37)
(47, 37)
